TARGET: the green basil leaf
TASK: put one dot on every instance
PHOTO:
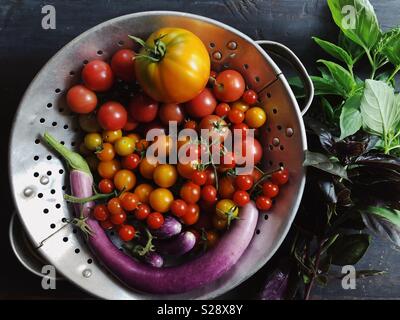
(324, 86)
(322, 162)
(297, 86)
(349, 249)
(335, 51)
(350, 117)
(391, 46)
(328, 109)
(384, 222)
(355, 50)
(343, 79)
(379, 108)
(363, 28)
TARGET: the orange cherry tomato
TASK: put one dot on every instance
(124, 180)
(147, 167)
(192, 214)
(161, 199)
(107, 169)
(143, 191)
(107, 152)
(165, 175)
(186, 170)
(190, 192)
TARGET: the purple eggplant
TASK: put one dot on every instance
(171, 227)
(176, 246)
(192, 275)
(276, 285)
(154, 259)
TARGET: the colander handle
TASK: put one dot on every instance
(287, 54)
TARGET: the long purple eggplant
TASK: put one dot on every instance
(176, 246)
(170, 280)
(171, 227)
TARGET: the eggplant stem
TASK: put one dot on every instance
(94, 197)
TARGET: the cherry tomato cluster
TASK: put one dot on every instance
(206, 197)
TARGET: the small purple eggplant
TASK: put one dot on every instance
(178, 245)
(171, 227)
(154, 259)
(276, 285)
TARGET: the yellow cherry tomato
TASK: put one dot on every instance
(143, 192)
(106, 153)
(93, 141)
(226, 209)
(165, 175)
(179, 69)
(255, 117)
(124, 146)
(124, 180)
(146, 168)
(111, 136)
(240, 105)
(107, 169)
(161, 199)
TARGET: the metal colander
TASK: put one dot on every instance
(39, 180)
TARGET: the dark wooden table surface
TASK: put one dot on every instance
(25, 47)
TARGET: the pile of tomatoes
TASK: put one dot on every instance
(206, 198)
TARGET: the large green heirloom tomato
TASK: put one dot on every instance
(173, 66)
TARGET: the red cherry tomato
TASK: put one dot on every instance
(142, 108)
(229, 86)
(118, 218)
(263, 203)
(227, 160)
(222, 109)
(192, 215)
(236, 116)
(81, 100)
(130, 161)
(241, 198)
(98, 76)
(142, 211)
(106, 186)
(179, 208)
(281, 177)
(210, 176)
(114, 206)
(100, 212)
(199, 177)
(106, 225)
(202, 105)
(171, 112)
(126, 232)
(244, 182)
(216, 126)
(155, 220)
(129, 201)
(123, 64)
(270, 190)
(209, 193)
(130, 124)
(190, 192)
(255, 150)
(243, 129)
(112, 116)
(250, 97)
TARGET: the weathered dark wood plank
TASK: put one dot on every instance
(25, 47)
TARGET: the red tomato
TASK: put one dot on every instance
(216, 126)
(130, 124)
(255, 149)
(171, 112)
(155, 220)
(192, 214)
(130, 161)
(227, 161)
(98, 76)
(114, 206)
(202, 105)
(210, 176)
(242, 127)
(126, 232)
(229, 86)
(100, 212)
(190, 192)
(241, 198)
(142, 108)
(106, 186)
(129, 201)
(222, 109)
(270, 190)
(226, 188)
(250, 97)
(179, 208)
(263, 203)
(190, 124)
(81, 100)
(142, 211)
(118, 218)
(106, 225)
(123, 64)
(209, 193)
(199, 177)
(213, 74)
(236, 116)
(112, 116)
(244, 182)
(281, 177)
